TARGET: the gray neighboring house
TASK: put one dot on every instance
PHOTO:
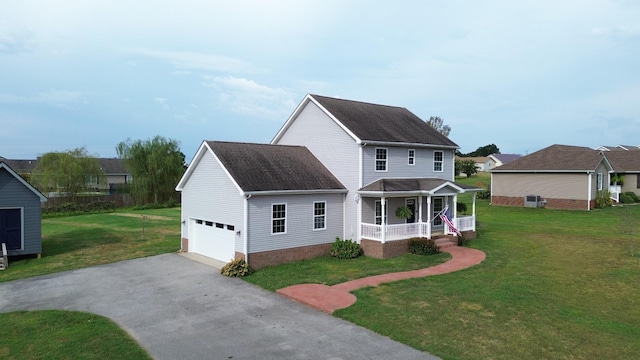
(371, 159)
(267, 204)
(20, 214)
(626, 166)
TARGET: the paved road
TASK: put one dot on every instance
(181, 309)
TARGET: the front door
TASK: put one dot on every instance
(411, 204)
(11, 228)
(438, 205)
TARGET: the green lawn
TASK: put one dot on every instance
(555, 285)
(73, 242)
(54, 334)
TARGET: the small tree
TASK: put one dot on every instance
(437, 123)
(468, 167)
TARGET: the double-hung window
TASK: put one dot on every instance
(600, 179)
(412, 157)
(381, 159)
(278, 218)
(319, 215)
(437, 161)
(378, 213)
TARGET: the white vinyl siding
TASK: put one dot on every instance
(319, 215)
(438, 160)
(381, 159)
(411, 157)
(210, 194)
(278, 218)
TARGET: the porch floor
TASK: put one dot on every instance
(332, 298)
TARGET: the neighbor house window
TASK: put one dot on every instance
(381, 159)
(319, 215)
(600, 177)
(638, 181)
(412, 157)
(278, 218)
(437, 161)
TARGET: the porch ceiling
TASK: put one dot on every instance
(413, 186)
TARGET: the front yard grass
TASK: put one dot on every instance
(556, 284)
(73, 242)
(54, 334)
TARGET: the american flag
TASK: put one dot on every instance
(450, 224)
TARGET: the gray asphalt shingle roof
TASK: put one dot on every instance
(556, 158)
(265, 167)
(623, 160)
(410, 184)
(373, 122)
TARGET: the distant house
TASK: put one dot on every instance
(115, 172)
(495, 160)
(565, 177)
(337, 168)
(20, 214)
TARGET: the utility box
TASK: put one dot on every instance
(533, 201)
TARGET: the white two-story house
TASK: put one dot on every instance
(374, 159)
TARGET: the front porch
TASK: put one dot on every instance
(394, 232)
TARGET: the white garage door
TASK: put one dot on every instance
(212, 239)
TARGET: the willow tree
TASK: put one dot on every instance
(155, 165)
(71, 172)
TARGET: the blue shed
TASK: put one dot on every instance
(20, 214)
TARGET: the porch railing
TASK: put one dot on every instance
(407, 231)
(614, 192)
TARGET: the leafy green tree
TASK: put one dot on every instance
(482, 151)
(71, 172)
(467, 167)
(437, 123)
(155, 165)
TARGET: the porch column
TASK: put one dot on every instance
(454, 211)
(420, 215)
(429, 217)
(473, 212)
(383, 209)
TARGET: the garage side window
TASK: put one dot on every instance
(278, 218)
(319, 215)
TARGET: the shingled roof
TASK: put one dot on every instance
(382, 123)
(264, 167)
(412, 185)
(624, 161)
(556, 158)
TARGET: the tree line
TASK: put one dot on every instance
(155, 166)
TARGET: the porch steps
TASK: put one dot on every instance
(445, 242)
(4, 261)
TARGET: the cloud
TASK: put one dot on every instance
(625, 31)
(194, 60)
(55, 98)
(162, 101)
(251, 98)
(14, 44)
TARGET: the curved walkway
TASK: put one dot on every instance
(331, 298)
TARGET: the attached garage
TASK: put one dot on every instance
(20, 214)
(212, 239)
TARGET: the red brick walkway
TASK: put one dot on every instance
(331, 298)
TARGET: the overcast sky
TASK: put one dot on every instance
(519, 74)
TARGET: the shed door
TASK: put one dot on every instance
(214, 240)
(11, 228)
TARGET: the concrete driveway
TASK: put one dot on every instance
(178, 308)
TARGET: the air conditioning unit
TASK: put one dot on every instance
(534, 201)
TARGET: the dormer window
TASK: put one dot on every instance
(381, 159)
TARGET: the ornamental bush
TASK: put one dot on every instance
(423, 246)
(603, 199)
(236, 268)
(629, 197)
(345, 249)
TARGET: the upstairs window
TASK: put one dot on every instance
(319, 215)
(278, 218)
(381, 159)
(412, 157)
(437, 161)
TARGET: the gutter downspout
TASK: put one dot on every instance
(589, 191)
(245, 236)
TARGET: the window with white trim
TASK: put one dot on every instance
(319, 215)
(412, 157)
(381, 159)
(378, 213)
(438, 157)
(278, 218)
(600, 179)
